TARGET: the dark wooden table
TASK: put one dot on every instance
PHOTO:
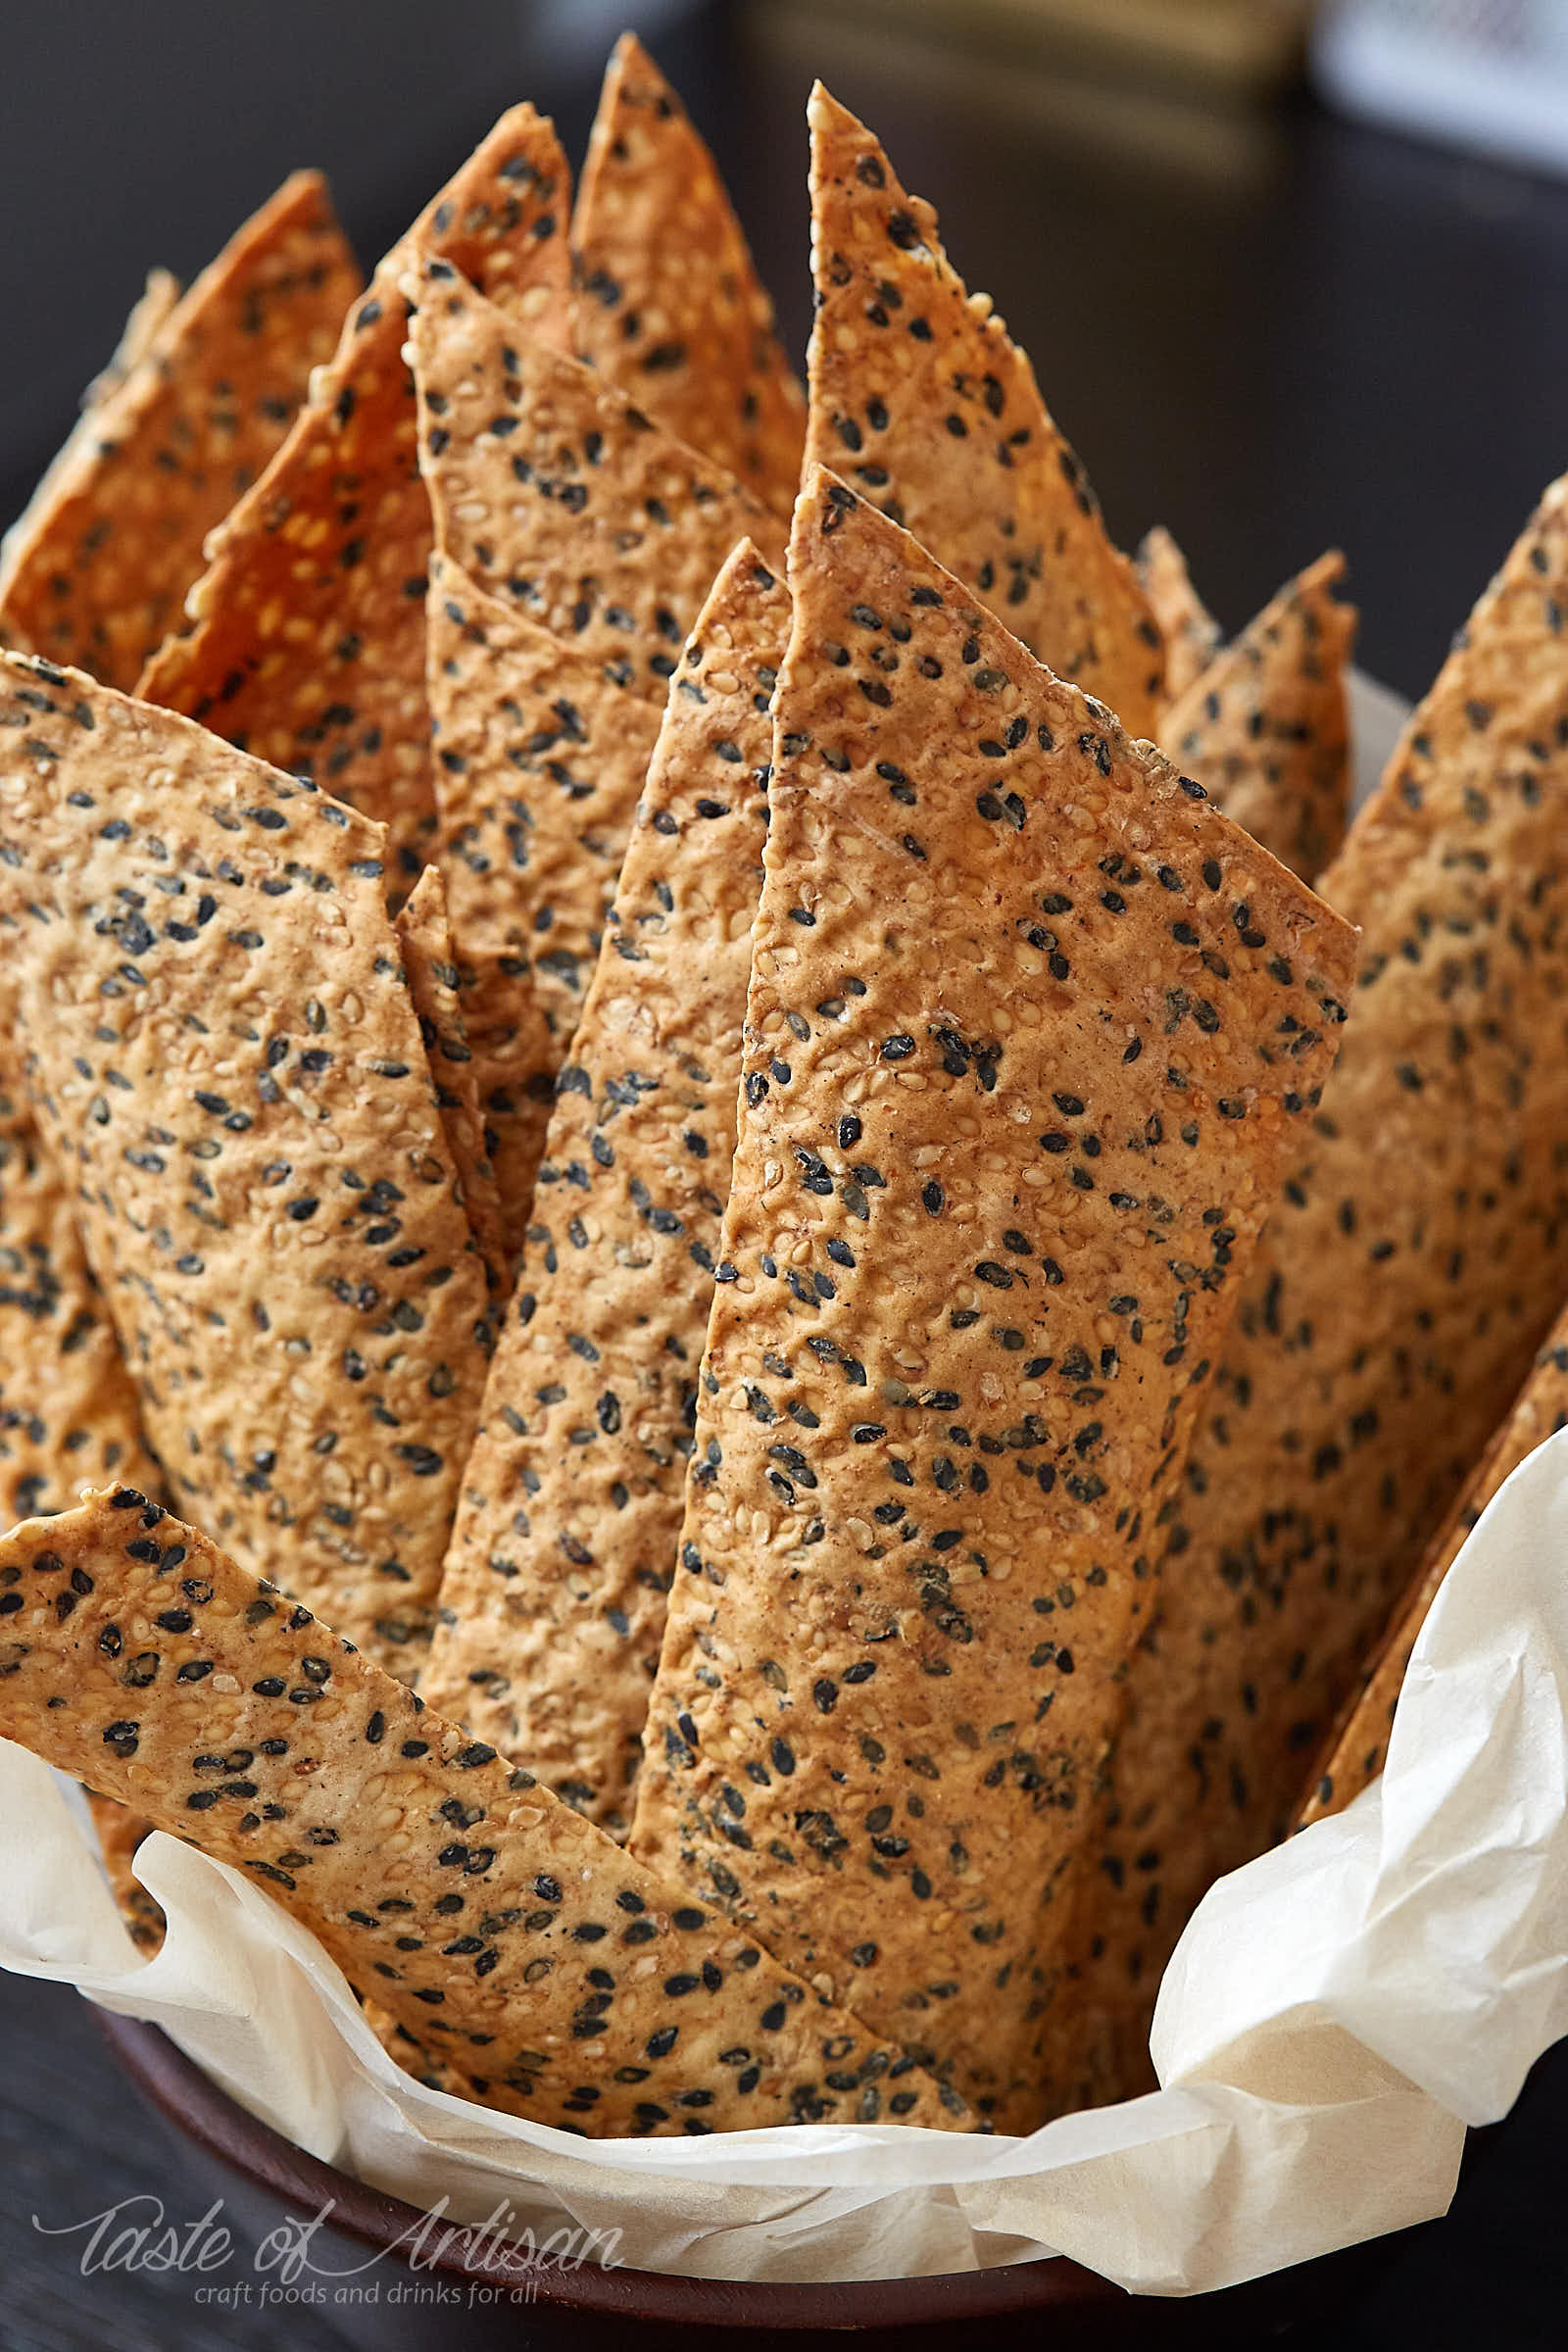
(1275, 333)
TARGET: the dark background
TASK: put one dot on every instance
(1273, 330)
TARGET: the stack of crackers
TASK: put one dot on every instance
(765, 1256)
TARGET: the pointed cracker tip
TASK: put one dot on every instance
(826, 116)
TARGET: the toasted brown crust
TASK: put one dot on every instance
(1028, 1028)
(1405, 1280)
(671, 306)
(1354, 1753)
(553, 1599)
(98, 571)
(1265, 727)
(307, 644)
(502, 1933)
(1190, 632)
(222, 1055)
(922, 402)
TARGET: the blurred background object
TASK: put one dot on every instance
(1489, 74)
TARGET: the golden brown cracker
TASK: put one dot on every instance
(506, 1934)
(539, 759)
(922, 402)
(1192, 634)
(556, 494)
(1406, 1278)
(1029, 1027)
(1265, 727)
(308, 643)
(98, 571)
(671, 306)
(222, 1055)
(552, 1601)
(425, 939)
(1354, 1754)
(120, 1832)
(513, 1071)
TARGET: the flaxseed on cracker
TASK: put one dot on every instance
(507, 1936)
(424, 939)
(514, 1059)
(552, 1605)
(1028, 1031)
(97, 570)
(921, 400)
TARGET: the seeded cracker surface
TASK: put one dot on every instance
(223, 1053)
(540, 755)
(1407, 1276)
(1265, 728)
(1355, 1756)
(425, 942)
(1028, 1029)
(1190, 632)
(514, 1064)
(922, 402)
(308, 640)
(552, 1601)
(490, 1920)
(556, 494)
(671, 308)
(98, 570)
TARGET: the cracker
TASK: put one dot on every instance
(307, 646)
(222, 1054)
(922, 402)
(556, 494)
(671, 308)
(98, 571)
(539, 759)
(498, 1928)
(1029, 1026)
(1265, 728)
(1192, 634)
(68, 1404)
(1406, 1278)
(120, 1831)
(425, 941)
(552, 1601)
(1354, 1753)
(513, 1072)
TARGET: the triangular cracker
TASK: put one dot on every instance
(495, 1926)
(1265, 727)
(515, 1061)
(1405, 1280)
(1190, 632)
(425, 942)
(1029, 1029)
(671, 308)
(221, 1051)
(307, 646)
(539, 759)
(552, 1601)
(921, 400)
(98, 570)
(555, 494)
(1355, 1755)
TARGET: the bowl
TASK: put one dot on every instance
(455, 2299)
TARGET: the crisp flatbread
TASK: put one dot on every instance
(69, 1416)
(1265, 728)
(920, 398)
(553, 1602)
(307, 644)
(1029, 1028)
(556, 494)
(539, 759)
(98, 571)
(490, 1920)
(222, 1054)
(671, 306)
(1190, 632)
(1355, 1755)
(515, 1061)
(424, 939)
(1405, 1280)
